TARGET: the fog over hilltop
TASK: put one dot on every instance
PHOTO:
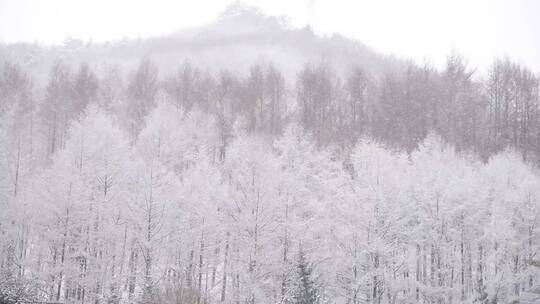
(241, 36)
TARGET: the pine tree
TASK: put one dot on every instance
(305, 288)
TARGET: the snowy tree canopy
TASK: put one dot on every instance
(127, 184)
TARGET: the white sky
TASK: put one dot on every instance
(420, 29)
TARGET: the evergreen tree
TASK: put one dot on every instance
(305, 288)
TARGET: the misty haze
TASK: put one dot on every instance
(259, 153)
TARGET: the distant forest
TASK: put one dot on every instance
(475, 113)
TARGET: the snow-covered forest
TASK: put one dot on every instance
(162, 180)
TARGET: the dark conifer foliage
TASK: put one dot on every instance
(305, 290)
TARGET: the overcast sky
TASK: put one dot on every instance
(420, 29)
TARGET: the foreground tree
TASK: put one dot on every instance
(304, 287)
